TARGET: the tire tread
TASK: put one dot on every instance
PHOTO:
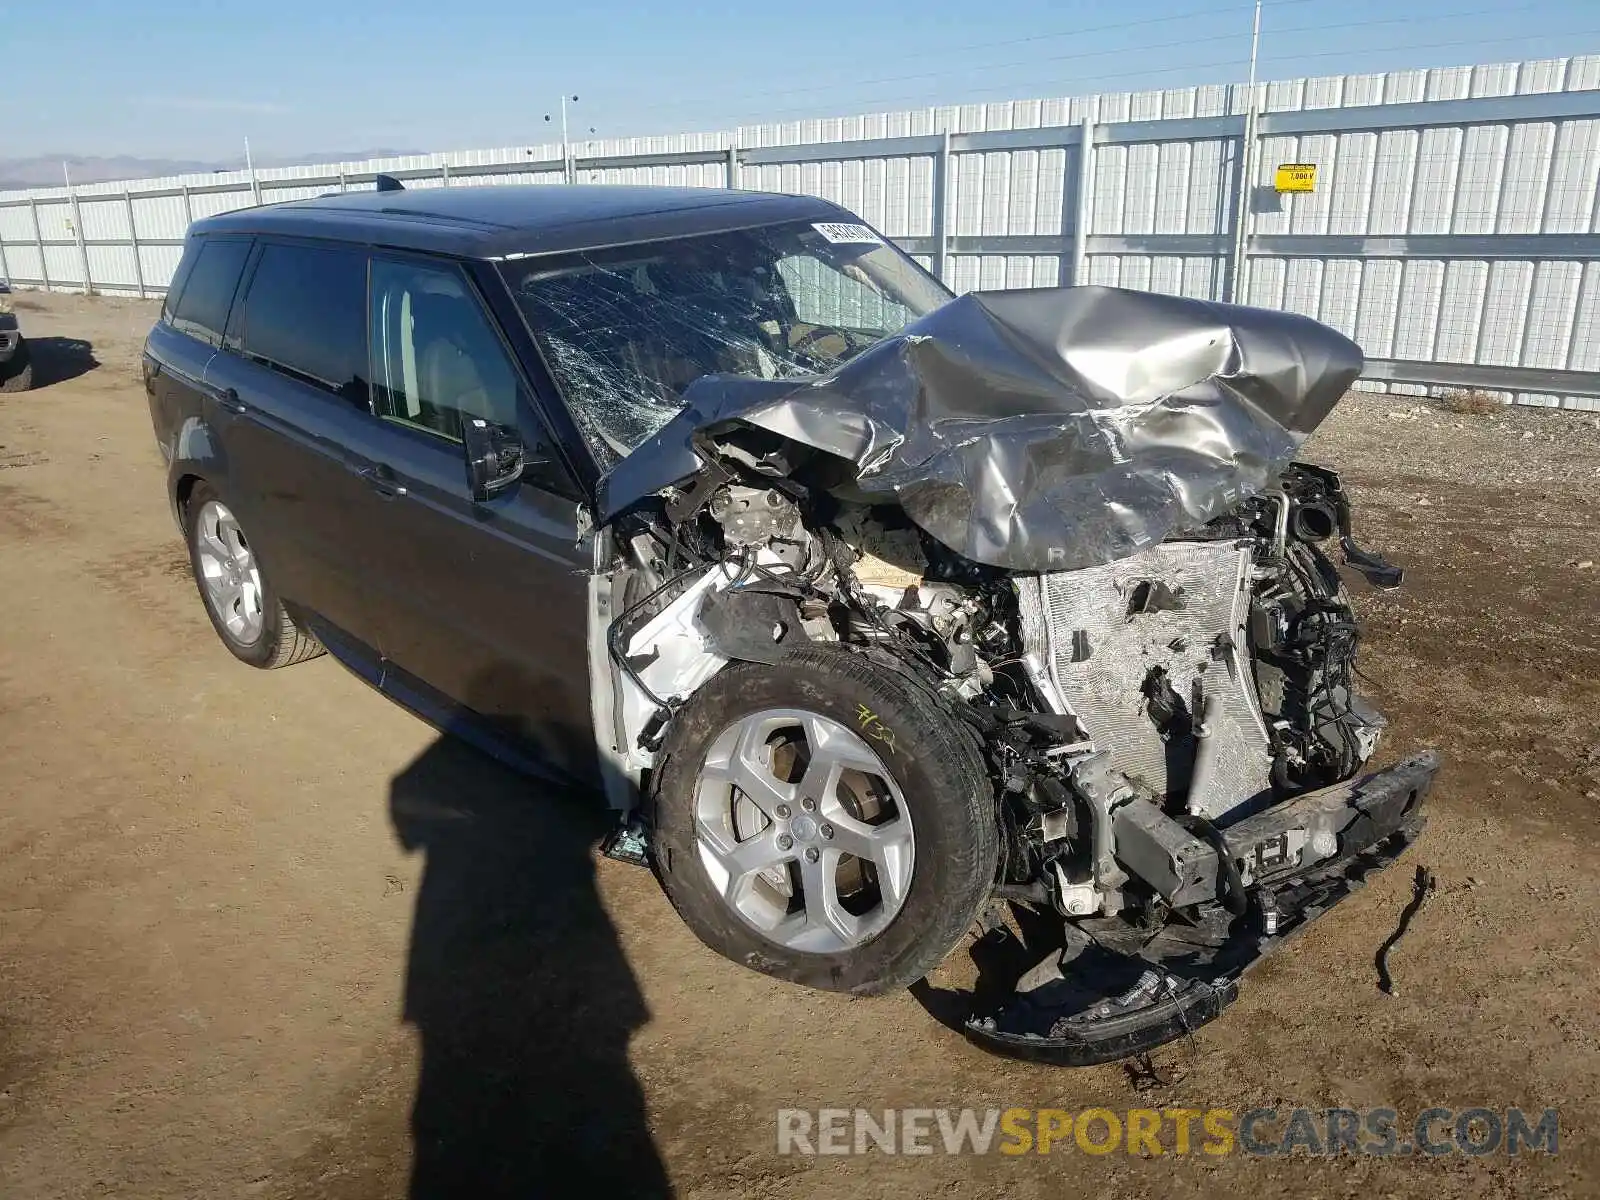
(293, 644)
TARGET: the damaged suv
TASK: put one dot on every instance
(868, 607)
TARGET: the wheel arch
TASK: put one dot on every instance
(182, 488)
(197, 457)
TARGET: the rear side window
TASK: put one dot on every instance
(305, 316)
(208, 292)
(169, 303)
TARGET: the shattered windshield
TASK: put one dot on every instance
(625, 330)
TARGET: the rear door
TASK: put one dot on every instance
(293, 374)
(487, 603)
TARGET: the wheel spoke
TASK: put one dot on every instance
(746, 858)
(836, 746)
(850, 835)
(819, 890)
(250, 601)
(231, 597)
(750, 770)
(894, 860)
(213, 547)
(228, 533)
(888, 847)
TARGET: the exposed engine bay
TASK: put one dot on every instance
(1170, 728)
(1211, 674)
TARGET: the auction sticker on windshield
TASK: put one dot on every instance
(840, 233)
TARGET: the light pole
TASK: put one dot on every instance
(566, 148)
(1239, 267)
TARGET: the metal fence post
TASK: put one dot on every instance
(1082, 208)
(1237, 269)
(733, 163)
(133, 237)
(343, 186)
(188, 209)
(5, 267)
(444, 174)
(38, 240)
(83, 249)
(941, 209)
(255, 186)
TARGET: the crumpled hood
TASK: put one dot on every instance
(1047, 429)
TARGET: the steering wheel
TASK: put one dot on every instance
(814, 335)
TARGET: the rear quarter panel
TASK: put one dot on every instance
(174, 373)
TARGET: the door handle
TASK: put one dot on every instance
(381, 479)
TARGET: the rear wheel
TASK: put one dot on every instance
(243, 608)
(826, 820)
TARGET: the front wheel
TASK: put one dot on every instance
(16, 375)
(243, 608)
(826, 821)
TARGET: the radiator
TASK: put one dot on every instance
(1095, 647)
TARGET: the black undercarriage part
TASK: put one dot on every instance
(1111, 987)
(1319, 508)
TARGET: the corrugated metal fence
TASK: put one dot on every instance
(1454, 230)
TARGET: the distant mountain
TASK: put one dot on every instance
(44, 170)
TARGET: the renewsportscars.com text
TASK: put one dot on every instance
(1261, 1132)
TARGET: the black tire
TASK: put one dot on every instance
(934, 761)
(16, 375)
(280, 642)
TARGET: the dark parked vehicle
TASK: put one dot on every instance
(16, 364)
(869, 608)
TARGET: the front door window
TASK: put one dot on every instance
(436, 358)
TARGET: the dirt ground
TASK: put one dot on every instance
(266, 934)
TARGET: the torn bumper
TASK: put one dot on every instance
(1117, 992)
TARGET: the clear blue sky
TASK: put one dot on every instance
(184, 78)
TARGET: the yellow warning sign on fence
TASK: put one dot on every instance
(1296, 177)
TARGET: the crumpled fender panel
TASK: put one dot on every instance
(1046, 429)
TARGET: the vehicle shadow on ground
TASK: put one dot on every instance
(999, 957)
(519, 990)
(58, 359)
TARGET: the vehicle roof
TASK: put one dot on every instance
(502, 220)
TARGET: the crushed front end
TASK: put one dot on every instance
(1075, 517)
(1216, 802)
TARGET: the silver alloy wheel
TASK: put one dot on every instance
(228, 572)
(803, 831)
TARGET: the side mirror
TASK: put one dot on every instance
(495, 458)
